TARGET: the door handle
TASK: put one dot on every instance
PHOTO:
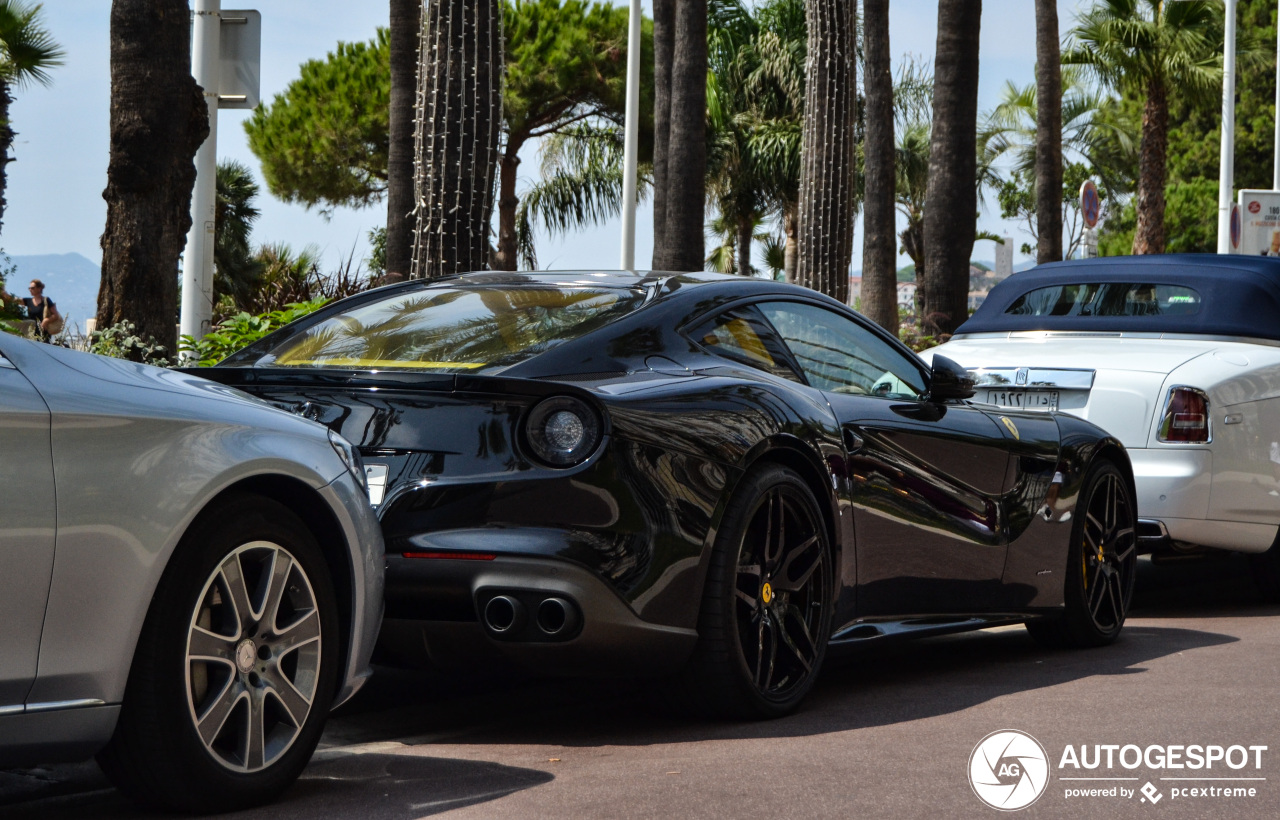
(852, 441)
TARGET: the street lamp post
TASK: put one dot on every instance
(197, 260)
(1227, 165)
(631, 136)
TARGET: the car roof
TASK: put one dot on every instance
(1240, 295)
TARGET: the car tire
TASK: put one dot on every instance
(1266, 572)
(249, 591)
(766, 612)
(1101, 565)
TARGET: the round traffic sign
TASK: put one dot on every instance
(1090, 204)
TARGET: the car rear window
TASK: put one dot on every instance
(1108, 299)
(452, 329)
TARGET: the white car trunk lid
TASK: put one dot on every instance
(1113, 381)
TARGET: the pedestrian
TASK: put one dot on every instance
(42, 311)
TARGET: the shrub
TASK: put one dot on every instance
(241, 330)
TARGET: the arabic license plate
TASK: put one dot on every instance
(1024, 399)
(376, 477)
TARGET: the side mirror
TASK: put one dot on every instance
(949, 381)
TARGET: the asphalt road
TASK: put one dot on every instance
(886, 733)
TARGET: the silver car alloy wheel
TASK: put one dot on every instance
(253, 657)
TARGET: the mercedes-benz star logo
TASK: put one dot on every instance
(1008, 770)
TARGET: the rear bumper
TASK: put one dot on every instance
(435, 607)
(1173, 490)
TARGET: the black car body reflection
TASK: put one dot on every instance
(938, 514)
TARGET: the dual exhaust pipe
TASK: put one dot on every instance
(506, 616)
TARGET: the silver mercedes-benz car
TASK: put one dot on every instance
(190, 579)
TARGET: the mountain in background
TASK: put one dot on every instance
(70, 280)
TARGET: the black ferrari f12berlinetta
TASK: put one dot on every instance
(712, 479)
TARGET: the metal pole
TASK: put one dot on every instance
(197, 259)
(1227, 165)
(631, 147)
(1275, 180)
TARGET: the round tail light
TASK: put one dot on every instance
(562, 431)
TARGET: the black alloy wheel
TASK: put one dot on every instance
(1101, 564)
(766, 612)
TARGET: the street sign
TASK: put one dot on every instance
(1236, 227)
(1259, 223)
(240, 59)
(1090, 204)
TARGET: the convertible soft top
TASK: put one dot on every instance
(1237, 296)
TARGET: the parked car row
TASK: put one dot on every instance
(713, 481)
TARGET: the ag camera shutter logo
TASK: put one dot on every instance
(1008, 770)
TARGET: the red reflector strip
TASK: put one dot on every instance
(458, 556)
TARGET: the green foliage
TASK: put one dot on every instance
(121, 341)
(1017, 198)
(324, 141)
(27, 49)
(377, 260)
(241, 330)
(755, 106)
(290, 278)
(581, 184)
(567, 61)
(236, 270)
(1191, 215)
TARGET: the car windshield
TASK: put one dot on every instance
(1108, 299)
(453, 329)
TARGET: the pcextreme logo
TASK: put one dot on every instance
(1008, 770)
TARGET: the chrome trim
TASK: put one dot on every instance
(56, 705)
(12, 710)
(1152, 522)
(1033, 377)
(1208, 416)
(1233, 418)
(1189, 337)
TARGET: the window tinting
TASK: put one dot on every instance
(453, 329)
(1108, 299)
(744, 336)
(839, 355)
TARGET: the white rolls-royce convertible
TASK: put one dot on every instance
(1176, 356)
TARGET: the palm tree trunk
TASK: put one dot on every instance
(406, 29)
(879, 245)
(457, 132)
(951, 215)
(746, 235)
(508, 203)
(683, 246)
(1048, 133)
(158, 121)
(664, 32)
(6, 142)
(791, 252)
(828, 173)
(1149, 236)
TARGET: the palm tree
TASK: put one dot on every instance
(755, 105)
(27, 52)
(828, 178)
(458, 127)
(581, 184)
(1152, 48)
(879, 271)
(158, 121)
(1048, 132)
(236, 270)
(950, 222)
(406, 27)
(681, 197)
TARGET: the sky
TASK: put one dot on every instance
(55, 185)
